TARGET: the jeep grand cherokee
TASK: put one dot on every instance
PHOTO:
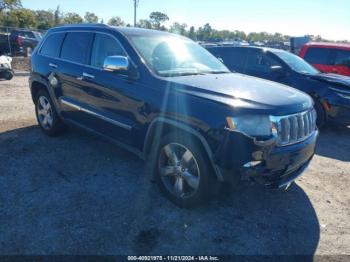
(175, 105)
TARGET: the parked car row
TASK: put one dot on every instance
(167, 99)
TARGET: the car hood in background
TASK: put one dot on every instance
(244, 91)
(333, 79)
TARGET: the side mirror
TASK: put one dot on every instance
(278, 71)
(116, 64)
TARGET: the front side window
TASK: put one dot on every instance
(104, 46)
(174, 55)
(76, 47)
(316, 55)
(296, 63)
(52, 45)
(258, 61)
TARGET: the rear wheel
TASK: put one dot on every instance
(47, 116)
(183, 170)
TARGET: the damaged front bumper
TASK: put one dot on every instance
(241, 157)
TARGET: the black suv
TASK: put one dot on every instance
(331, 92)
(171, 102)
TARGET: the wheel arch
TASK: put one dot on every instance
(161, 126)
(38, 84)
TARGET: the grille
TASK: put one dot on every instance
(294, 128)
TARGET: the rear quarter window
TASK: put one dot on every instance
(76, 47)
(317, 55)
(52, 45)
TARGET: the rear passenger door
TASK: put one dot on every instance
(74, 58)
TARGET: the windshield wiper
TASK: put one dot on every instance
(181, 74)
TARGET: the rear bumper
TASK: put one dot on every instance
(269, 165)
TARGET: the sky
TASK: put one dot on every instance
(330, 19)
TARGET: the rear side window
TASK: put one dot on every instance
(234, 58)
(76, 47)
(315, 55)
(342, 57)
(52, 45)
(104, 46)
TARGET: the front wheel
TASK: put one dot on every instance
(183, 170)
(321, 114)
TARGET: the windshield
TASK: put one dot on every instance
(174, 56)
(296, 63)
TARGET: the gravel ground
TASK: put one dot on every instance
(78, 194)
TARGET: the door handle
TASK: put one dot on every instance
(86, 75)
(53, 65)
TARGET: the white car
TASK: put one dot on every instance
(6, 71)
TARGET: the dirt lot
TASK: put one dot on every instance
(78, 194)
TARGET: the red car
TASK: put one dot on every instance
(328, 57)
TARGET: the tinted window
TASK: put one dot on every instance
(52, 45)
(316, 55)
(104, 46)
(258, 61)
(76, 47)
(233, 58)
(342, 57)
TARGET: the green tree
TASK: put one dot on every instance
(205, 33)
(45, 19)
(192, 33)
(72, 18)
(23, 18)
(144, 23)
(10, 4)
(178, 28)
(116, 21)
(157, 19)
(90, 18)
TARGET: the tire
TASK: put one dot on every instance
(321, 114)
(8, 75)
(182, 170)
(47, 116)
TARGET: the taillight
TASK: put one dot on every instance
(19, 40)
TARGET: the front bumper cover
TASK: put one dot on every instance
(241, 157)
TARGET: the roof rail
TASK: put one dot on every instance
(84, 25)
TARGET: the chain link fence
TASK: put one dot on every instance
(19, 41)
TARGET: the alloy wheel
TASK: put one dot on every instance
(45, 115)
(179, 170)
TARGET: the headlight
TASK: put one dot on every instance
(252, 125)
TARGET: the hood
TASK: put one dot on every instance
(333, 79)
(244, 91)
